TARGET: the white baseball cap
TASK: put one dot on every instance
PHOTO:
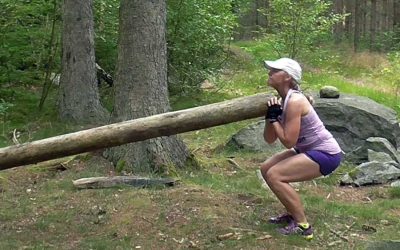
(288, 65)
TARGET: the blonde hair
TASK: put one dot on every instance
(296, 86)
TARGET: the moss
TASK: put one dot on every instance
(353, 173)
(121, 165)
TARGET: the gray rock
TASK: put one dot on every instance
(395, 184)
(373, 147)
(329, 92)
(352, 119)
(378, 156)
(251, 138)
(382, 145)
(346, 180)
(375, 173)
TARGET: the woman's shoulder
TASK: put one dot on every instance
(300, 102)
(297, 97)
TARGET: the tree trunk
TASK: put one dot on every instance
(357, 25)
(79, 97)
(389, 10)
(135, 130)
(349, 21)
(363, 8)
(384, 15)
(141, 85)
(373, 25)
(338, 28)
(396, 14)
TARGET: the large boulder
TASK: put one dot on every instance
(352, 119)
(251, 138)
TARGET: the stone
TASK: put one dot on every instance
(395, 184)
(375, 173)
(382, 145)
(378, 156)
(329, 92)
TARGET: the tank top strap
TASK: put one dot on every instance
(289, 93)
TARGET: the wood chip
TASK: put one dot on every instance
(226, 236)
(264, 237)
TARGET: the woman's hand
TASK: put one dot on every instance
(274, 100)
(274, 109)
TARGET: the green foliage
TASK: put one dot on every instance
(25, 27)
(392, 73)
(196, 34)
(388, 41)
(298, 25)
(121, 166)
(106, 33)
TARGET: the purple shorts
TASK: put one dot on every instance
(327, 162)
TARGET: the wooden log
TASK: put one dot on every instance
(136, 181)
(134, 130)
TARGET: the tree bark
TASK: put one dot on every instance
(363, 8)
(384, 16)
(135, 130)
(357, 25)
(338, 28)
(373, 25)
(79, 100)
(141, 85)
(349, 21)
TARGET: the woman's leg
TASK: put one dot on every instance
(293, 169)
(266, 165)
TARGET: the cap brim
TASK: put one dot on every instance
(271, 65)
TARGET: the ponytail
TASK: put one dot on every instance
(296, 87)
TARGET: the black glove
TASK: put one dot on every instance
(273, 112)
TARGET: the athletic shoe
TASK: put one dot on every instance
(281, 219)
(294, 228)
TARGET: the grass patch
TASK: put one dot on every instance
(394, 192)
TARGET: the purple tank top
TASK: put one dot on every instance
(313, 134)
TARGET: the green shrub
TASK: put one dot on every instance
(196, 34)
(297, 25)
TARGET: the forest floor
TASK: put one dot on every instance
(223, 206)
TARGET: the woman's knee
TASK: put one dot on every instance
(264, 167)
(272, 176)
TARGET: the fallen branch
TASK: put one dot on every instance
(235, 164)
(106, 182)
(348, 228)
(246, 230)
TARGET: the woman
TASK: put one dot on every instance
(312, 150)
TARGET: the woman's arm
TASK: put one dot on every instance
(269, 132)
(289, 133)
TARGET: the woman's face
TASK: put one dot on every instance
(277, 77)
